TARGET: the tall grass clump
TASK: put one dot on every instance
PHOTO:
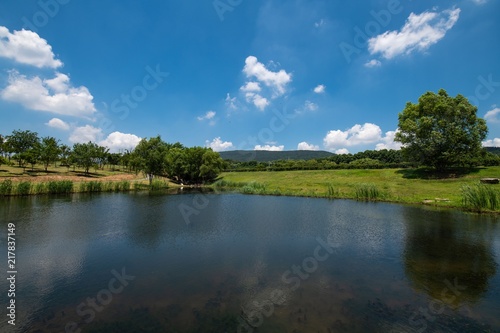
(480, 197)
(40, 188)
(122, 186)
(23, 188)
(367, 192)
(254, 188)
(158, 184)
(59, 187)
(6, 187)
(91, 186)
(332, 192)
(222, 183)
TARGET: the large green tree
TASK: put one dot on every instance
(86, 155)
(441, 131)
(194, 165)
(150, 156)
(22, 144)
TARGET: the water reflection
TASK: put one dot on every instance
(451, 262)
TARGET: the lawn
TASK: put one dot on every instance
(394, 185)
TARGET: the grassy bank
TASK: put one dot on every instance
(392, 185)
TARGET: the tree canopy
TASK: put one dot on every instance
(441, 131)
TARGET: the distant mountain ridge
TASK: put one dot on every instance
(269, 156)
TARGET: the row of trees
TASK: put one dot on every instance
(152, 156)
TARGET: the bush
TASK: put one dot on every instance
(6, 187)
(23, 188)
(40, 188)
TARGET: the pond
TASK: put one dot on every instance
(234, 263)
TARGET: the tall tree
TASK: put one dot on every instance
(150, 155)
(64, 154)
(19, 142)
(85, 155)
(49, 151)
(441, 131)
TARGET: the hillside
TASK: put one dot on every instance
(494, 150)
(268, 156)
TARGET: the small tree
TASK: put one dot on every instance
(19, 142)
(441, 131)
(49, 151)
(150, 155)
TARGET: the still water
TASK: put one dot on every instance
(235, 263)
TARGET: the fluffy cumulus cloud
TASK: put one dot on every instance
(85, 134)
(251, 87)
(319, 89)
(58, 124)
(356, 135)
(493, 116)
(118, 141)
(52, 95)
(492, 143)
(218, 145)
(275, 80)
(306, 146)
(388, 142)
(360, 135)
(260, 102)
(342, 151)
(27, 47)
(269, 147)
(420, 32)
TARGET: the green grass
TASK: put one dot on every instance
(39, 170)
(392, 185)
(481, 197)
(367, 192)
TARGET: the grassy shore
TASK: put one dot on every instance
(391, 185)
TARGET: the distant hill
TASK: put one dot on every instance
(268, 156)
(494, 150)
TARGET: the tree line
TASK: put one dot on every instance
(154, 157)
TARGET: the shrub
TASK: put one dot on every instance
(6, 187)
(157, 185)
(60, 187)
(23, 188)
(40, 188)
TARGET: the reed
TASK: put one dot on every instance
(6, 187)
(60, 187)
(367, 192)
(23, 188)
(480, 197)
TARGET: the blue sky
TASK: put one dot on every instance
(239, 74)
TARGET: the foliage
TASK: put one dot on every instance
(23, 188)
(6, 187)
(48, 151)
(441, 131)
(20, 142)
(150, 156)
(86, 155)
(60, 186)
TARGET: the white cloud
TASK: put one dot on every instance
(269, 148)
(218, 145)
(320, 23)
(209, 115)
(342, 151)
(492, 143)
(418, 34)
(310, 106)
(85, 134)
(58, 124)
(319, 89)
(251, 87)
(55, 95)
(231, 102)
(275, 80)
(27, 47)
(117, 141)
(388, 142)
(260, 102)
(373, 63)
(480, 2)
(305, 146)
(492, 115)
(356, 135)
